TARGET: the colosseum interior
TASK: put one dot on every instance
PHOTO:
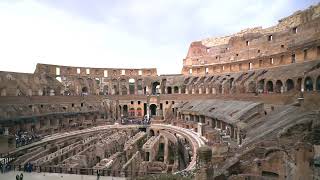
(245, 106)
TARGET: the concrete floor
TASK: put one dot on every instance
(53, 176)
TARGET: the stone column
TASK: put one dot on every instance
(214, 91)
(6, 131)
(166, 151)
(204, 170)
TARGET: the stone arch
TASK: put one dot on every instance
(139, 86)
(85, 90)
(105, 90)
(123, 84)
(151, 132)
(318, 84)
(261, 86)
(169, 90)
(131, 86)
(308, 84)
(269, 86)
(153, 110)
(231, 84)
(125, 110)
(183, 89)
(289, 84)
(252, 87)
(175, 89)
(196, 90)
(139, 111)
(220, 89)
(155, 85)
(279, 86)
(131, 112)
(115, 87)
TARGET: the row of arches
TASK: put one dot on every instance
(289, 85)
(132, 112)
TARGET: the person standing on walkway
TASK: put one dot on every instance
(98, 175)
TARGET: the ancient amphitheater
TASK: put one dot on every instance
(245, 106)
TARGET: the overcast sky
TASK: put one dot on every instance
(127, 34)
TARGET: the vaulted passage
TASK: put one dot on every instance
(308, 84)
(153, 109)
(279, 86)
(269, 86)
(289, 84)
(155, 87)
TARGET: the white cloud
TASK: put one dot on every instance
(142, 33)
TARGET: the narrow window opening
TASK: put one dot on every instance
(293, 58)
(295, 30)
(305, 54)
(271, 60)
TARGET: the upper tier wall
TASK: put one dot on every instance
(293, 35)
(57, 70)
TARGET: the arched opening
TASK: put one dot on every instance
(139, 112)
(231, 83)
(124, 90)
(220, 89)
(183, 89)
(289, 84)
(154, 87)
(176, 89)
(318, 83)
(279, 86)
(139, 86)
(125, 110)
(115, 87)
(252, 87)
(261, 86)
(85, 90)
(153, 109)
(131, 112)
(131, 86)
(308, 84)
(269, 87)
(105, 90)
(169, 90)
(151, 132)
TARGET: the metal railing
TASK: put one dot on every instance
(79, 171)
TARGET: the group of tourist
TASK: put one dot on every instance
(23, 138)
(4, 167)
(144, 121)
(28, 167)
